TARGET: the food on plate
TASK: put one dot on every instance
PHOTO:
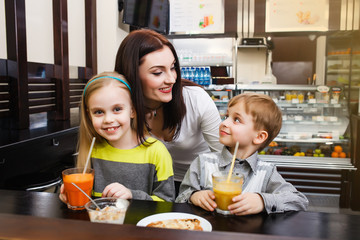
(185, 224)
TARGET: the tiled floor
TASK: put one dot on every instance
(319, 203)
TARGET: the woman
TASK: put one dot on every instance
(184, 117)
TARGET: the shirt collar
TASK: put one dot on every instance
(226, 158)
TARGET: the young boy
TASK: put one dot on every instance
(253, 120)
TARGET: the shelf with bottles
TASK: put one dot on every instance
(199, 75)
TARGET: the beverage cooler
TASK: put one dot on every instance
(313, 148)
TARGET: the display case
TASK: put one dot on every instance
(315, 124)
(312, 150)
(343, 59)
(343, 65)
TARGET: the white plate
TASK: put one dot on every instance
(174, 215)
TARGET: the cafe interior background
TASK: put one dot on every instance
(305, 54)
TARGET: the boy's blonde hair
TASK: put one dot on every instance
(265, 113)
(86, 130)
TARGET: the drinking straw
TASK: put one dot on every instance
(88, 157)
(233, 162)
(86, 195)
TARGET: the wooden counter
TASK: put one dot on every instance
(48, 218)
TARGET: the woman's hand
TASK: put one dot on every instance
(117, 190)
(247, 203)
(62, 194)
(204, 199)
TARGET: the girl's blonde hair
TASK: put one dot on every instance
(266, 114)
(87, 131)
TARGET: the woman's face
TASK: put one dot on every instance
(158, 75)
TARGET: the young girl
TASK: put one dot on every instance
(124, 167)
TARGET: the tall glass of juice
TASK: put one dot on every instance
(224, 191)
(76, 199)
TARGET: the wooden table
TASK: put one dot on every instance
(48, 218)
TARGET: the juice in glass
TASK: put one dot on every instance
(224, 191)
(76, 199)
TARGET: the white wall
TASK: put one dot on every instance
(39, 31)
(76, 33)
(39, 25)
(3, 53)
(110, 33)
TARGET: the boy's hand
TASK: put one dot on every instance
(204, 199)
(117, 190)
(247, 203)
(62, 194)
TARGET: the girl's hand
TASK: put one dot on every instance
(117, 190)
(247, 203)
(62, 194)
(204, 199)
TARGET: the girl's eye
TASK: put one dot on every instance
(117, 109)
(98, 112)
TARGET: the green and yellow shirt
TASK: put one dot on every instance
(146, 170)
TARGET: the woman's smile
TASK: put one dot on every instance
(166, 90)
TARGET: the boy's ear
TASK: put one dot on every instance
(261, 137)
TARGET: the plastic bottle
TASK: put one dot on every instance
(182, 72)
(192, 74)
(201, 78)
(187, 73)
(207, 76)
(197, 75)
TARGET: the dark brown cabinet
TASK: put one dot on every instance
(37, 162)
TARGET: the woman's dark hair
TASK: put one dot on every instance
(128, 59)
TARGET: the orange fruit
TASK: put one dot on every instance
(342, 155)
(338, 149)
(334, 154)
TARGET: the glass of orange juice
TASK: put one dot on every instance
(76, 199)
(224, 191)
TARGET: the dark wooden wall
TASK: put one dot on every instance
(27, 88)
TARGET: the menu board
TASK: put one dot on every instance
(196, 16)
(297, 15)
